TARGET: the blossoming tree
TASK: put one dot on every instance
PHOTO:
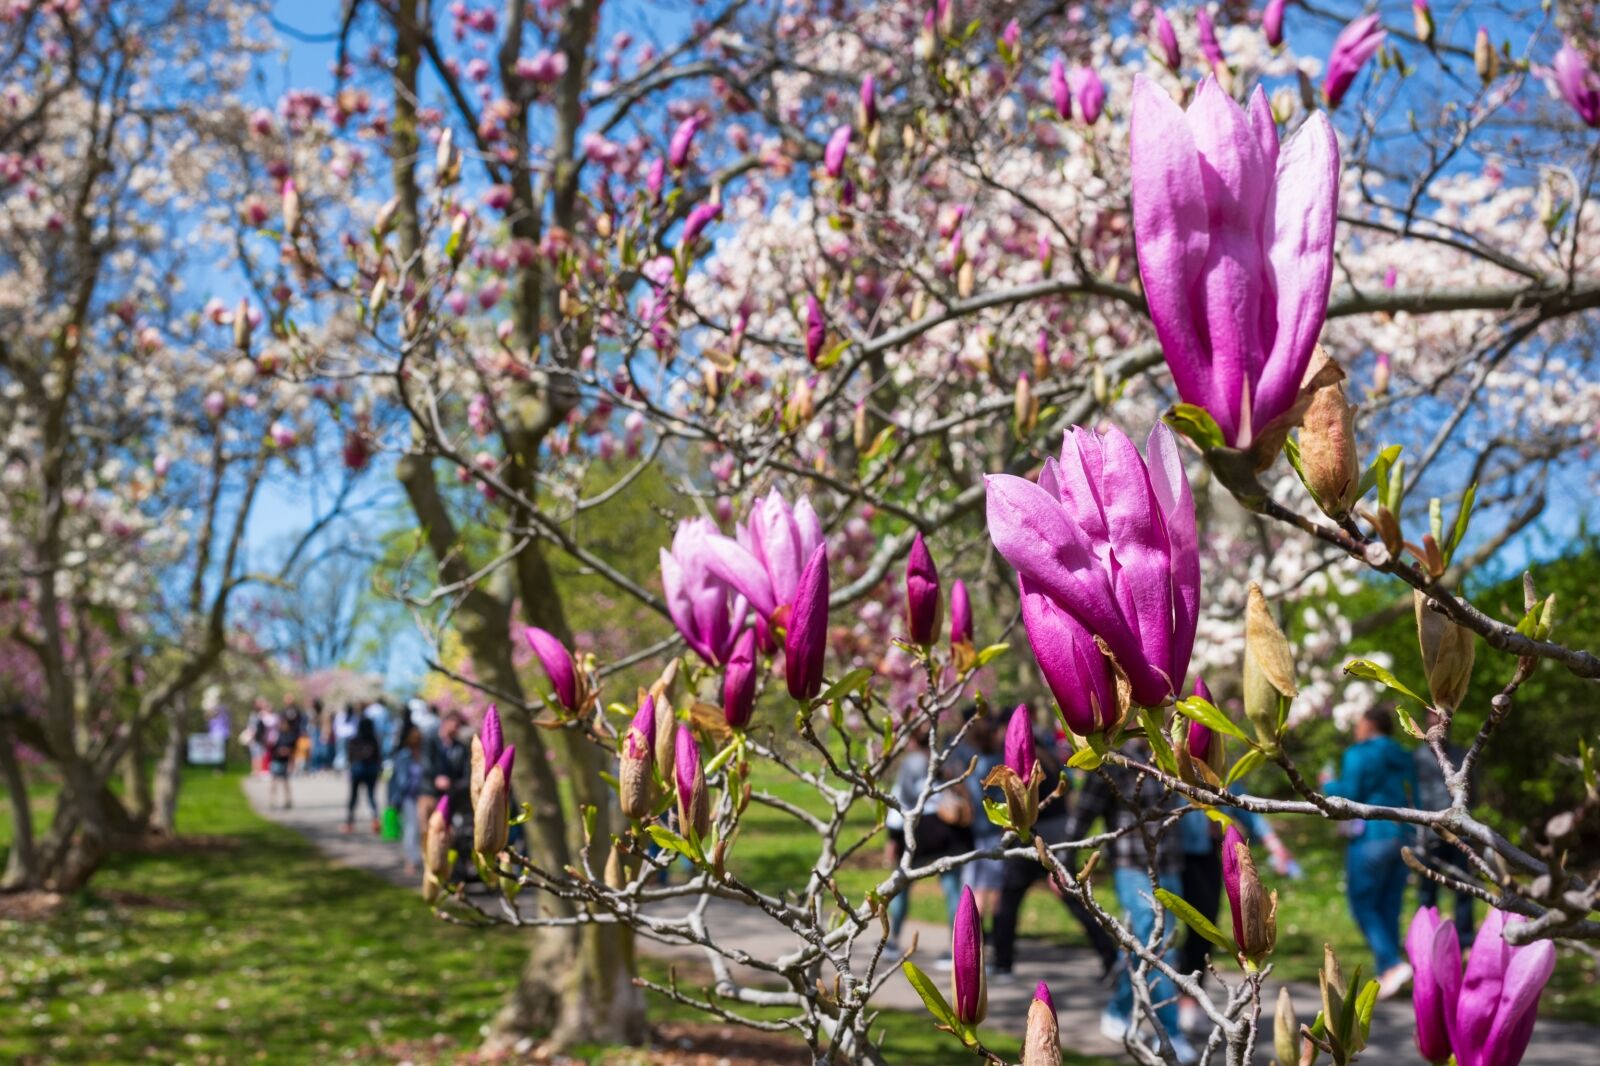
(848, 276)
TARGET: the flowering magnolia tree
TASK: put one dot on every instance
(138, 431)
(874, 286)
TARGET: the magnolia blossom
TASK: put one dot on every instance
(764, 559)
(1090, 92)
(1577, 84)
(1165, 38)
(704, 606)
(1488, 1011)
(1108, 546)
(1235, 243)
(838, 148)
(1356, 43)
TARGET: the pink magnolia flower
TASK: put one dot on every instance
(816, 329)
(805, 644)
(1235, 245)
(960, 613)
(1272, 21)
(837, 150)
(705, 607)
(1105, 546)
(1165, 39)
(1490, 1009)
(764, 559)
(700, 217)
(682, 141)
(1578, 85)
(1090, 91)
(922, 594)
(1060, 92)
(1208, 40)
(1356, 43)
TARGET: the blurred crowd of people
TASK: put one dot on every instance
(1143, 828)
(399, 760)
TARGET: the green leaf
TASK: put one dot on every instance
(1365, 1002)
(850, 682)
(1246, 765)
(832, 355)
(880, 443)
(1201, 710)
(1394, 493)
(1291, 450)
(990, 654)
(999, 814)
(929, 993)
(1085, 758)
(666, 838)
(1197, 424)
(1408, 723)
(1378, 471)
(1158, 742)
(1371, 671)
(1193, 918)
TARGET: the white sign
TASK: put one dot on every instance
(206, 750)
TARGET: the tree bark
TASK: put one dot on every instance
(569, 988)
(169, 777)
(135, 774)
(22, 868)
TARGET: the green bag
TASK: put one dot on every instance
(391, 823)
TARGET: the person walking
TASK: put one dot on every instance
(981, 749)
(365, 758)
(1377, 771)
(943, 829)
(1436, 852)
(1132, 805)
(449, 764)
(255, 735)
(220, 728)
(344, 730)
(283, 739)
(405, 792)
(1018, 876)
(1201, 837)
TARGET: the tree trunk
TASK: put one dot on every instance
(135, 776)
(22, 867)
(169, 776)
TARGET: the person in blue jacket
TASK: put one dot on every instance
(1377, 771)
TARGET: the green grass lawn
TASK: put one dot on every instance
(248, 946)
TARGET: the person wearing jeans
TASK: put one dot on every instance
(1123, 799)
(1379, 772)
(1139, 912)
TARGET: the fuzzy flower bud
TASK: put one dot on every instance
(694, 807)
(1041, 1039)
(970, 997)
(1255, 911)
(739, 682)
(1268, 667)
(634, 780)
(1328, 449)
(923, 606)
(1447, 653)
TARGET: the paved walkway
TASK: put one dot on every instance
(319, 811)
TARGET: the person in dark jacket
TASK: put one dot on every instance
(1377, 771)
(365, 757)
(450, 765)
(1020, 875)
(1134, 806)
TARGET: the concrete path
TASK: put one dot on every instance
(1071, 972)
